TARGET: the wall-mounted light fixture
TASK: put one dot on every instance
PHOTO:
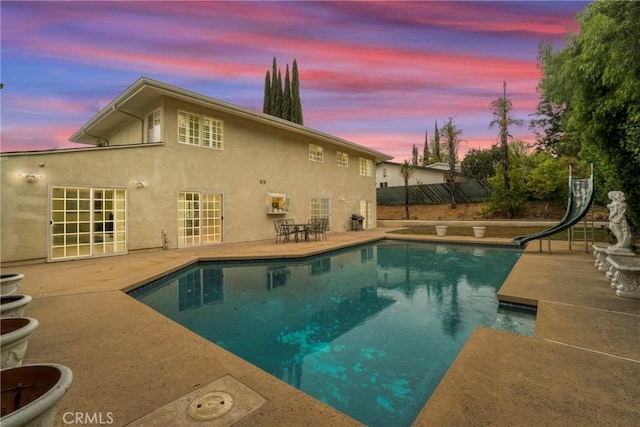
(30, 177)
(138, 183)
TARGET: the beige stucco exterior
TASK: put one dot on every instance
(261, 154)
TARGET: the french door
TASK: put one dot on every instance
(199, 218)
(86, 222)
(320, 208)
(366, 210)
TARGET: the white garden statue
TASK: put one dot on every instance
(618, 223)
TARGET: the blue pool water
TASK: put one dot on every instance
(369, 330)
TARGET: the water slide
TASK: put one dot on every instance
(580, 198)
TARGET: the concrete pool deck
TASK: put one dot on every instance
(581, 368)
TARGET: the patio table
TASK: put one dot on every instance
(300, 228)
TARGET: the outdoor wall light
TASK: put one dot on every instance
(139, 183)
(30, 177)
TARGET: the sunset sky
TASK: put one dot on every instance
(375, 73)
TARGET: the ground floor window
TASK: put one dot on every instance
(366, 210)
(199, 218)
(87, 222)
(320, 208)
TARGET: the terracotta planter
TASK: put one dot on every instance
(14, 339)
(441, 230)
(9, 283)
(479, 231)
(13, 305)
(30, 394)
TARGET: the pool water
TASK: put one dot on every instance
(369, 330)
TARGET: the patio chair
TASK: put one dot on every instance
(282, 230)
(318, 227)
(324, 224)
(314, 227)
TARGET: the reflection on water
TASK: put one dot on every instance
(370, 330)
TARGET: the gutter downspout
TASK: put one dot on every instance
(116, 108)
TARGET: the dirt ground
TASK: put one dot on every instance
(470, 211)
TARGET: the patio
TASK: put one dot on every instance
(581, 368)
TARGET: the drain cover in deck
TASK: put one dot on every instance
(210, 406)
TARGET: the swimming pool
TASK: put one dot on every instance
(370, 330)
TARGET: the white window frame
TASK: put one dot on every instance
(199, 218)
(342, 159)
(86, 222)
(202, 131)
(366, 210)
(316, 153)
(320, 207)
(154, 120)
(366, 167)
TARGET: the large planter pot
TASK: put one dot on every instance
(479, 231)
(30, 394)
(13, 305)
(441, 230)
(14, 339)
(9, 283)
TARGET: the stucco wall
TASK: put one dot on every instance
(253, 153)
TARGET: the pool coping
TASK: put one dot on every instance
(103, 293)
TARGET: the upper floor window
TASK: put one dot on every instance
(366, 167)
(342, 159)
(199, 130)
(153, 126)
(316, 153)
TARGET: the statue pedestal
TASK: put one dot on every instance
(625, 275)
(601, 252)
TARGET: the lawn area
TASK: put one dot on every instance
(599, 234)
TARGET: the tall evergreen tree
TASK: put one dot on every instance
(414, 155)
(426, 157)
(435, 145)
(266, 104)
(296, 103)
(283, 100)
(503, 117)
(451, 134)
(277, 111)
(274, 88)
(286, 97)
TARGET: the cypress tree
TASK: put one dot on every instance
(296, 104)
(414, 155)
(425, 150)
(266, 105)
(435, 145)
(274, 88)
(277, 103)
(286, 97)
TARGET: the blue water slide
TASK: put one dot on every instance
(580, 199)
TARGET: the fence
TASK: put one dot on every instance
(466, 192)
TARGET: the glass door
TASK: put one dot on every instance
(86, 221)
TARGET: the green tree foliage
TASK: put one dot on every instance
(426, 156)
(512, 202)
(481, 163)
(414, 155)
(296, 103)
(435, 146)
(406, 170)
(596, 77)
(266, 104)
(286, 97)
(283, 99)
(503, 118)
(451, 135)
(535, 176)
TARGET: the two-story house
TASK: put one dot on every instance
(164, 167)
